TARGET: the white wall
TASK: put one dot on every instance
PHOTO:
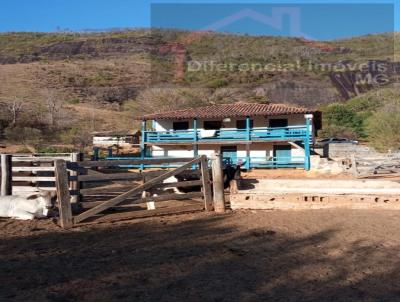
(257, 150)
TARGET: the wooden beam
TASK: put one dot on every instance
(128, 162)
(75, 184)
(218, 183)
(181, 184)
(33, 169)
(113, 202)
(114, 176)
(205, 178)
(6, 174)
(34, 178)
(38, 159)
(354, 170)
(23, 189)
(91, 204)
(63, 196)
(145, 213)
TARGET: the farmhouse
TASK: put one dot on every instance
(254, 135)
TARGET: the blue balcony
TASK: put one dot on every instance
(292, 133)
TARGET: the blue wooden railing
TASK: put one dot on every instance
(249, 163)
(254, 134)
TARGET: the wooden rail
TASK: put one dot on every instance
(27, 173)
(371, 167)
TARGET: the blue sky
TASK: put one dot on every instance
(335, 19)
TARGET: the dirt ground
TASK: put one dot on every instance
(315, 255)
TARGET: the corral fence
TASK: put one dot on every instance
(385, 165)
(88, 189)
(23, 174)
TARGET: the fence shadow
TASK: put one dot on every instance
(202, 259)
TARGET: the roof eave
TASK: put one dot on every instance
(155, 117)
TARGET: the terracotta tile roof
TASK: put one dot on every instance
(227, 110)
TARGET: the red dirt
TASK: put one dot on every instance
(315, 255)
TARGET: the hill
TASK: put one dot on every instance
(63, 84)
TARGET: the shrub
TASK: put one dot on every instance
(55, 149)
(338, 131)
(383, 128)
(77, 137)
(218, 83)
(74, 101)
(24, 135)
(344, 119)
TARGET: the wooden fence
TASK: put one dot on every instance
(23, 174)
(373, 167)
(81, 183)
(135, 193)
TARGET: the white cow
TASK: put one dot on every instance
(36, 205)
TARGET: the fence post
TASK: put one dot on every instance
(63, 196)
(6, 174)
(74, 184)
(233, 186)
(218, 183)
(354, 170)
(96, 153)
(205, 178)
(110, 152)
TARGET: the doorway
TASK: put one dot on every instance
(282, 154)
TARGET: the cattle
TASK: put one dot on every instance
(230, 172)
(29, 207)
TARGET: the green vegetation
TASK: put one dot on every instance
(24, 135)
(373, 117)
(383, 127)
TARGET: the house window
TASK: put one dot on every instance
(241, 124)
(180, 126)
(212, 125)
(279, 122)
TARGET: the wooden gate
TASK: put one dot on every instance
(134, 195)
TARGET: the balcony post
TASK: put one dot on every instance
(195, 139)
(248, 138)
(142, 143)
(307, 163)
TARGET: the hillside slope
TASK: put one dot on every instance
(98, 81)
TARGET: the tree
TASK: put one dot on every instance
(53, 106)
(15, 109)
